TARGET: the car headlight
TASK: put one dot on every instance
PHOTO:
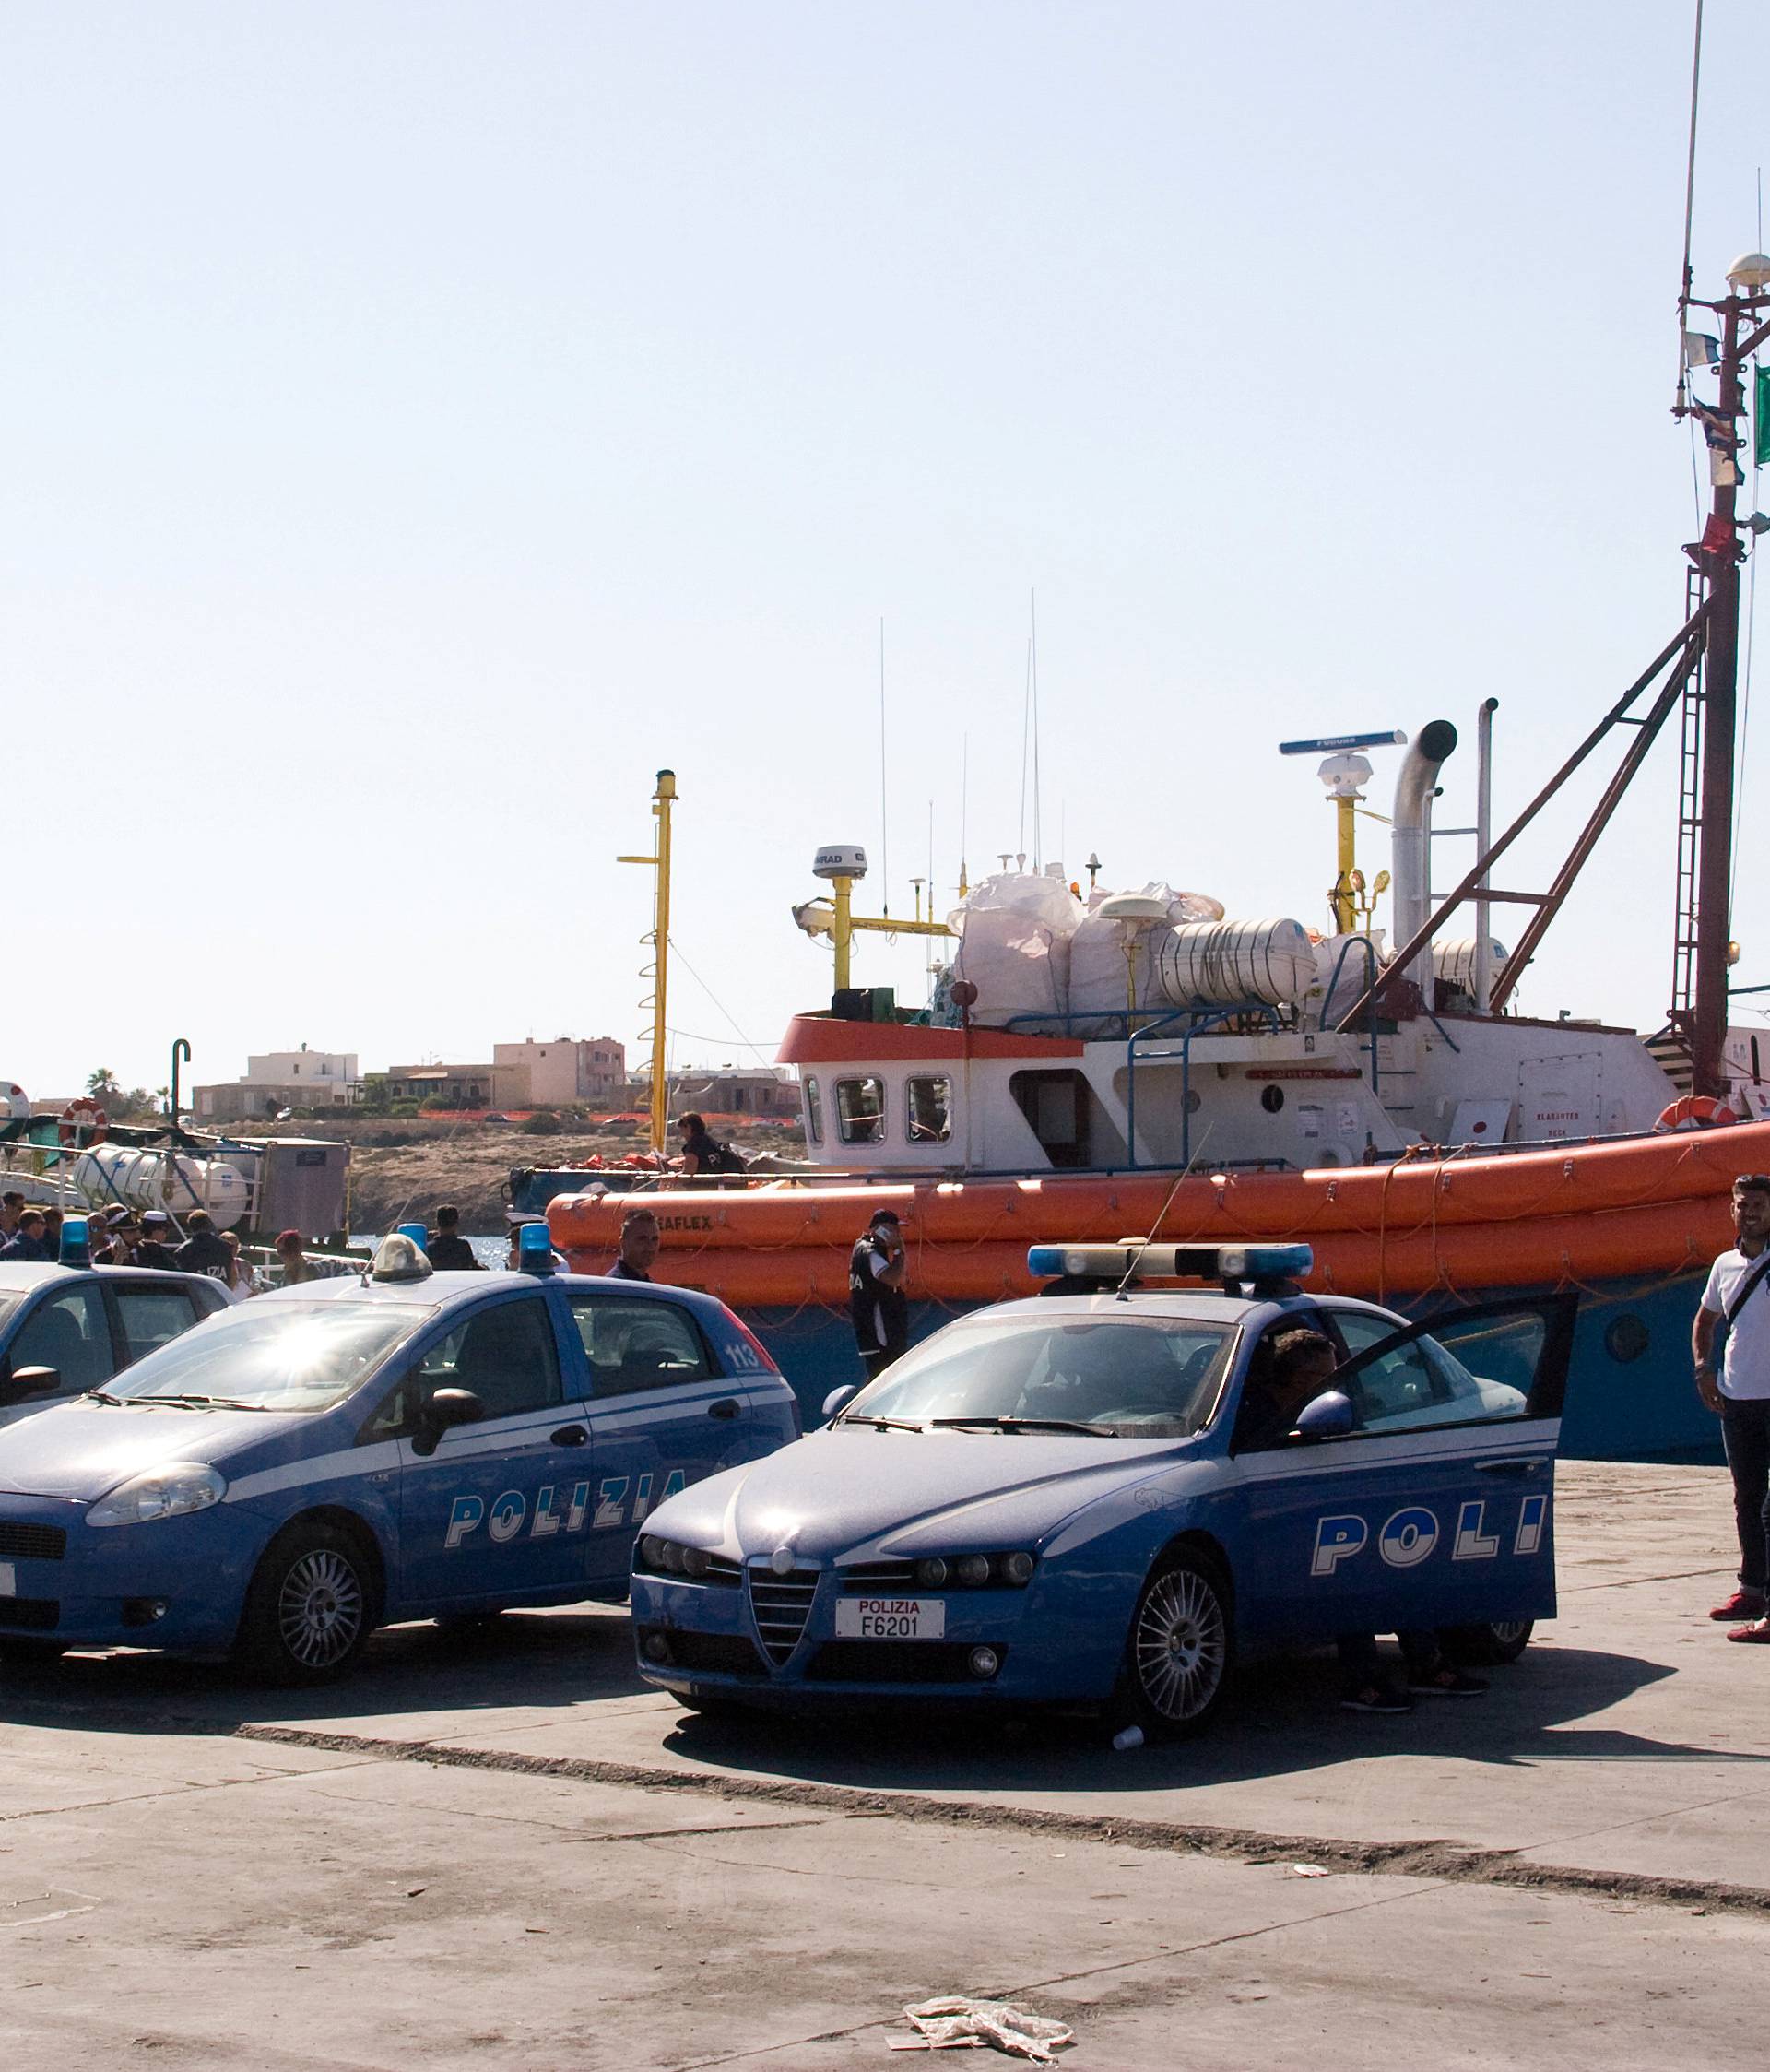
(168, 1492)
(669, 1558)
(975, 1572)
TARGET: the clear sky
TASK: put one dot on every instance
(423, 421)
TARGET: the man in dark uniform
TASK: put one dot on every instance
(156, 1247)
(203, 1252)
(450, 1251)
(639, 1242)
(877, 1304)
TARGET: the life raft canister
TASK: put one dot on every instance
(84, 1116)
(1697, 1111)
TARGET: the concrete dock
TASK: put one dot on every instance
(518, 1856)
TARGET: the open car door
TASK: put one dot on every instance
(1436, 1509)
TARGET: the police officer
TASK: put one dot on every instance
(877, 1304)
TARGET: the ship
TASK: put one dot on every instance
(1144, 1064)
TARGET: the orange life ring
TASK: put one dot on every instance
(1696, 1111)
(84, 1115)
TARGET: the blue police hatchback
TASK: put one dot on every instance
(1104, 1496)
(346, 1453)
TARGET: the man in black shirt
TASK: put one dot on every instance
(877, 1305)
(639, 1242)
(450, 1252)
(203, 1252)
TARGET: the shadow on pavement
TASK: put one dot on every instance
(527, 1661)
(1283, 1717)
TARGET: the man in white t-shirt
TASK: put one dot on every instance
(1738, 1390)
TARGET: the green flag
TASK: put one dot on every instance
(1761, 416)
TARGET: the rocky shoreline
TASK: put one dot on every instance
(402, 1170)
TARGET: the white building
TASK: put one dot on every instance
(282, 1079)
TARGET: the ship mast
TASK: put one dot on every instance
(1718, 556)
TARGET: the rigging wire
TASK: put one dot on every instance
(1690, 205)
(884, 815)
(677, 952)
(1026, 721)
(1038, 803)
(1751, 621)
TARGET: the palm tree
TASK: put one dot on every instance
(103, 1087)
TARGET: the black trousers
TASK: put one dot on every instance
(1745, 1430)
(1363, 1664)
(875, 1359)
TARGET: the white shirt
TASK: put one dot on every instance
(1745, 1365)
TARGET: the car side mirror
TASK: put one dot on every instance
(1327, 1416)
(839, 1399)
(26, 1381)
(440, 1409)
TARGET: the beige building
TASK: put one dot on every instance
(282, 1079)
(459, 1086)
(566, 1072)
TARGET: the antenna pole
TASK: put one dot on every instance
(1690, 205)
(884, 805)
(1720, 566)
(663, 799)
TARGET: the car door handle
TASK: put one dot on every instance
(725, 1407)
(1509, 1467)
(571, 1435)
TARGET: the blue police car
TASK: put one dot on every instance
(66, 1329)
(1101, 1497)
(408, 1445)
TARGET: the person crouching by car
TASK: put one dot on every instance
(877, 1306)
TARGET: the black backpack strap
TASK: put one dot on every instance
(1744, 1296)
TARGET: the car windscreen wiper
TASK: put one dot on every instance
(104, 1395)
(880, 1424)
(1031, 1425)
(202, 1402)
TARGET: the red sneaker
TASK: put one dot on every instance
(1743, 1603)
(1759, 1630)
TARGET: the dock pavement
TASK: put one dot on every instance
(518, 1855)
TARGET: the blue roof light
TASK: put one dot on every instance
(535, 1250)
(75, 1248)
(416, 1232)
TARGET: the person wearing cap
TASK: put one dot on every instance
(877, 1305)
(292, 1260)
(640, 1238)
(114, 1240)
(156, 1249)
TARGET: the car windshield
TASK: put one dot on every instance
(1119, 1376)
(9, 1301)
(273, 1356)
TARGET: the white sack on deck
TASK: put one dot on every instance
(1097, 960)
(1014, 933)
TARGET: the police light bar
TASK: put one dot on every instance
(535, 1249)
(1170, 1263)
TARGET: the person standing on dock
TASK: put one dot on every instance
(878, 1268)
(640, 1238)
(203, 1252)
(450, 1251)
(1736, 1308)
(294, 1259)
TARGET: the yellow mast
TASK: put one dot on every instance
(662, 800)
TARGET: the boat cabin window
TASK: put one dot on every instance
(860, 1110)
(929, 1115)
(813, 1113)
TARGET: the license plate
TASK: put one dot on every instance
(890, 1618)
(8, 1579)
